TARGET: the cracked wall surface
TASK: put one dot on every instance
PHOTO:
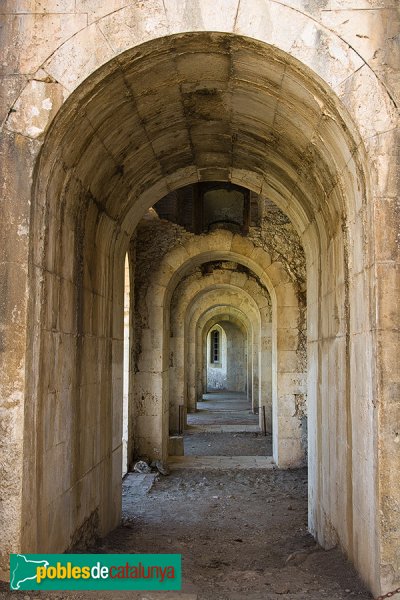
(106, 107)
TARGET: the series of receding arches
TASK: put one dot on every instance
(225, 348)
(145, 115)
(271, 304)
(317, 200)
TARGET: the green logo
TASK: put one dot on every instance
(95, 572)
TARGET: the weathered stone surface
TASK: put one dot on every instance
(37, 6)
(134, 24)
(35, 37)
(81, 55)
(35, 108)
(306, 113)
(10, 88)
(96, 9)
(374, 36)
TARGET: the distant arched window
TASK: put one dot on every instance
(215, 347)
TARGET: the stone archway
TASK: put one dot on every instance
(238, 367)
(286, 381)
(196, 341)
(191, 374)
(252, 300)
(332, 207)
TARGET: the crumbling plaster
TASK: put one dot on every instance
(332, 167)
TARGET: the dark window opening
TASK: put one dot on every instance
(203, 207)
(215, 351)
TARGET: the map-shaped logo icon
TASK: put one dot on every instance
(25, 570)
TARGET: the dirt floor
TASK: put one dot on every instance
(242, 535)
(227, 444)
(223, 408)
(241, 531)
(224, 425)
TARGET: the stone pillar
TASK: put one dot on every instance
(17, 154)
(387, 277)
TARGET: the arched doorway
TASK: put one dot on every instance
(150, 391)
(84, 217)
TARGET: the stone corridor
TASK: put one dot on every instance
(224, 425)
(201, 196)
(242, 534)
